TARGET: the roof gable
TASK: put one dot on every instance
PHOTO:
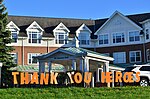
(83, 27)
(34, 25)
(11, 24)
(122, 16)
(61, 26)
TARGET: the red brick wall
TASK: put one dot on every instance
(30, 49)
(110, 50)
(124, 48)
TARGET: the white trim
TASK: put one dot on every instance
(118, 54)
(31, 60)
(103, 40)
(28, 29)
(147, 54)
(135, 58)
(126, 18)
(16, 53)
(81, 28)
(148, 20)
(116, 68)
(11, 22)
(31, 37)
(121, 36)
(100, 56)
(134, 36)
(147, 40)
(58, 27)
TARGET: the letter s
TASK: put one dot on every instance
(137, 77)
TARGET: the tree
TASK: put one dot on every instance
(5, 39)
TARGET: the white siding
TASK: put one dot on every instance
(118, 25)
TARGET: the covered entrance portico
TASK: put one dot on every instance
(74, 58)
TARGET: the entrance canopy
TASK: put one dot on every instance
(73, 54)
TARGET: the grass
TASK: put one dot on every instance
(75, 92)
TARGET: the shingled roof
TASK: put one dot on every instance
(48, 24)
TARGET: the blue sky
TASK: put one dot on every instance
(84, 9)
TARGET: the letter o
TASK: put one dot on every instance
(78, 78)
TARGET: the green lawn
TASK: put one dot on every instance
(74, 92)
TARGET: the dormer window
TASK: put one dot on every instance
(12, 27)
(14, 36)
(84, 39)
(61, 38)
(61, 33)
(83, 33)
(34, 37)
(34, 32)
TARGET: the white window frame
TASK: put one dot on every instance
(65, 38)
(14, 32)
(16, 54)
(133, 36)
(86, 40)
(124, 57)
(32, 58)
(121, 37)
(147, 33)
(148, 55)
(103, 39)
(135, 57)
(39, 37)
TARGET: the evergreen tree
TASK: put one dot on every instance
(5, 38)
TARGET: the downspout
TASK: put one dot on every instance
(47, 46)
(22, 52)
(144, 51)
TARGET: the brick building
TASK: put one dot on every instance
(125, 38)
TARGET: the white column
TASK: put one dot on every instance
(107, 66)
(81, 64)
(86, 65)
(113, 77)
(41, 66)
(49, 66)
(107, 70)
(92, 84)
(73, 64)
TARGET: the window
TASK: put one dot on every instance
(118, 38)
(34, 37)
(135, 56)
(148, 55)
(134, 36)
(145, 68)
(15, 57)
(32, 60)
(147, 34)
(103, 39)
(119, 57)
(84, 39)
(14, 36)
(61, 38)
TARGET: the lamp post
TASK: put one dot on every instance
(0, 73)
